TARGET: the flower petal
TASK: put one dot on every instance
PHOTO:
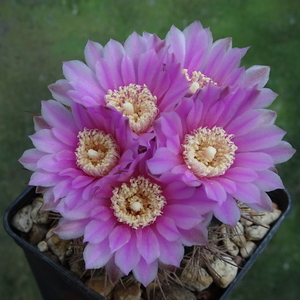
(127, 257)
(97, 255)
(147, 244)
(228, 211)
(144, 272)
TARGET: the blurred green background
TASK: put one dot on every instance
(36, 36)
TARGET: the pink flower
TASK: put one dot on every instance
(139, 78)
(220, 140)
(78, 150)
(139, 225)
(204, 61)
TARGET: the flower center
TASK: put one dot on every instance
(197, 81)
(137, 103)
(208, 152)
(97, 153)
(138, 203)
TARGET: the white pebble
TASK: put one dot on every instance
(256, 232)
(22, 219)
(42, 246)
(38, 215)
(248, 249)
(225, 272)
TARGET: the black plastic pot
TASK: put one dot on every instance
(56, 282)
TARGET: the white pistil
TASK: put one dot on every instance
(194, 87)
(128, 108)
(137, 103)
(138, 203)
(136, 206)
(208, 152)
(94, 154)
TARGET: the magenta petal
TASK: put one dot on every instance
(127, 257)
(66, 136)
(282, 152)
(128, 72)
(147, 244)
(43, 178)
(264, 203)
(93, 52)
(176, 39)
(81, 211)
(59, 91)
(45, 141)
(253, 160)
(30, 158)
(58, 116)
(62, 188)
(214, 189)
(102, 213)
(67, 229)
(195, 236)
(119, 237)
(177, 190)
(241, 174)
(167, 228)
(40, 123)
(268, 181)
(258, 139)
(97, 255)
(257, 75)
(227, 212)
(244, 123)
(144, 272)
(82, 76)
(247, 193)
(228, 185)
(113, 271)
(185, 217)
(96, 231)
(50, 164)
(163, 161)
(171, 253)
(81, 181)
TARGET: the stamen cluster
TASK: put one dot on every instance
(138, 203)
(137, 103)
(97, 153)
(208, 152)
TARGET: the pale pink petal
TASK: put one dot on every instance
(93, 52)
(185, 217)
(30, 158)
(127, 257)
(147, 244)
(97, 255)
(96, 231)
(70, 229)
(119, 237)
(166, 226)
(171, 253)
(144, 272)
(257, 75)
(228, 211)
(59, 91)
